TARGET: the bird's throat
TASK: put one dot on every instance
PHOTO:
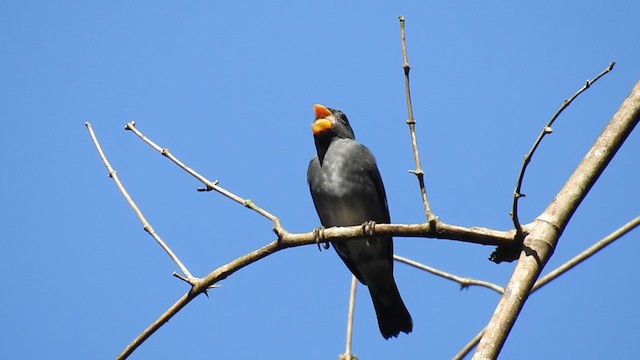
(322, 146)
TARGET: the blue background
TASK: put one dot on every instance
(228, 87)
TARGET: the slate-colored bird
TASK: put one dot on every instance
(347, 190)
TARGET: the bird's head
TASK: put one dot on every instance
(330, 123)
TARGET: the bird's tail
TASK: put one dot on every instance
(393, 316)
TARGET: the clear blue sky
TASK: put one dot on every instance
(228, 87)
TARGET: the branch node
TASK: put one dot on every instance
(279, 230)
(433, 223)
(165, 152)
(130, 125)
(548, 130)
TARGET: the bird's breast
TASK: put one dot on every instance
(341, 176)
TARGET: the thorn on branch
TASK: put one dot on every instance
(209, 186)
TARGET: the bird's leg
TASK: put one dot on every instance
(318, 234)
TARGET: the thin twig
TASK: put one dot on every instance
(146, 225)
(517, 194)
(209, 185)
(560, 270)
(464, 282)
(469, 346)
(352, 305)
(431, 218)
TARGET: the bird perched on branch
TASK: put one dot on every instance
(347, 190)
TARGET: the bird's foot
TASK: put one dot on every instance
(318, 234)
(369, 228)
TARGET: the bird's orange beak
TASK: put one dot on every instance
(322, 123)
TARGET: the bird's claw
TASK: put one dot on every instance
(369, 228)
(318, 234)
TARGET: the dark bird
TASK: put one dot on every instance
(347, 190)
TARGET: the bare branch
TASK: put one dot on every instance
(482, 236)
(476, 235)
(464, 282)
(210, 185)
(544, 232)
(431, 218)
(200, 286)
(352, 304)
(592, 250)
(560, 270)
(166, 316)
(146, 225)
(547, 129)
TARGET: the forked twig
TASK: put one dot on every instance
(146, 225)
(431, 218)
(517, 194)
